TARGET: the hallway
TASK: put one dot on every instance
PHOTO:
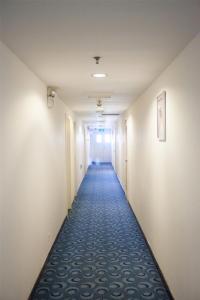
(99, 132)
(100, 252)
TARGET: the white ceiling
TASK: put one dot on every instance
(137, 39)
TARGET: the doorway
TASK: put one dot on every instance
(125, 158)
(101, 145)
(69, 154)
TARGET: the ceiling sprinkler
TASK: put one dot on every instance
(99, 106)
(99, 103)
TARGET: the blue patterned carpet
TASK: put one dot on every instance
(100, 252)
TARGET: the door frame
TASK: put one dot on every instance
(125, 157)
(69, 159)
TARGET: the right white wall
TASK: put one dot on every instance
(163, 177)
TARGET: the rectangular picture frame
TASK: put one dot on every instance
(161, 116)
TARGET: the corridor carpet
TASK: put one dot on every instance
(100, 252)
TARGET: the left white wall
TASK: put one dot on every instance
(33, 175)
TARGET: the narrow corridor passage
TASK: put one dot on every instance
(100, 252)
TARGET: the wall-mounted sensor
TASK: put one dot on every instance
(51, 95)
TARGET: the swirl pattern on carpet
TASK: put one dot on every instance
(100, 252)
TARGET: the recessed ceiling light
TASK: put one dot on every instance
(99, 75)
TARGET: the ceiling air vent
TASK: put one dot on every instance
(114, 114)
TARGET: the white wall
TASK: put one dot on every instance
(33, 203)
(163, 177)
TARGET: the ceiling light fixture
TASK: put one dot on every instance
(99, 110)
(99, 75)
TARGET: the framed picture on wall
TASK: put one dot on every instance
(161, 116)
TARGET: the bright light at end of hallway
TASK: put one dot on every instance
(99, 138)
(107, 138)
